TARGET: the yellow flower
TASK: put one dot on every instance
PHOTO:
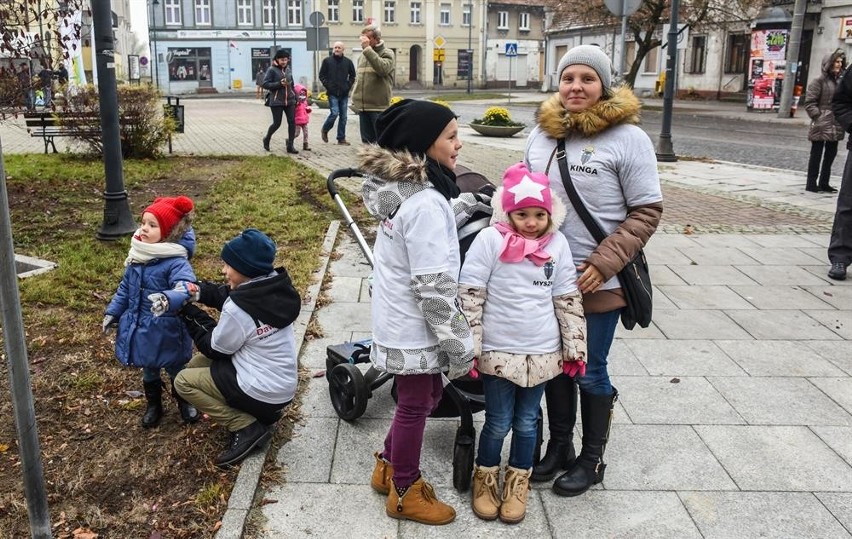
(395, 99)
(496, 116)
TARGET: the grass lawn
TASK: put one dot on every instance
(102, 470)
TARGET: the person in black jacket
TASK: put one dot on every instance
(337, 74)
(840, 245)
(281, 99)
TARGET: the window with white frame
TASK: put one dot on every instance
(294, 12)
(172, 8)
(244, 12)
(333, 10)
(202, 12)
(390, 11)
(697, 54)
(524, 21)
(467, 12)
(357, 10)
(415, 12)
(502, 20)
(445, 15)
(269, 14)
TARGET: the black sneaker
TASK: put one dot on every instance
(266, 144)
(837, 271)
(242, 443)
(827, 189)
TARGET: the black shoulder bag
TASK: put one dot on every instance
(634, 277)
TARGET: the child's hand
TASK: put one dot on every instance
(574, 369)
(159, 303)
(109, 323)
(192, 290)
(473, 372)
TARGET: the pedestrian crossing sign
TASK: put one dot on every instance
(511, 49)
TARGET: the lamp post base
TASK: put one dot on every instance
(665, 151)
(118, 221)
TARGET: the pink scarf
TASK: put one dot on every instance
(516, 247)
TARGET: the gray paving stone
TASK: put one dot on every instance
(780, 256)
(315, 398)
(776, 458)
(704, 297)
(351, 261)
(839, 439)
(839, 389)
(356, 511)
(779, 297)
(659, 400)
(623, 361)
(671, 241)
(313, 351)
(839, 297)
(345, 289)
(665, 254)
(711, 275)
(661, 301)
(726, 241)
(605, 513)
(697, 324)
(683, 358)
(711, 256)
(781, 325)
(839, 353)
(299, 456)
(650, 332)
(338, 317)
(743, 515)
(840, 505)
(786, 241)
(663, 275)
(840, 322)
(820, 240)
(766, 401)
(780, 275)
(777, 358)
(661, 457)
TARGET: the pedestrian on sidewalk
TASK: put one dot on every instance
(374, 83)
(613, 167)
(247, 369)
(302, 115)
(840, 244)
(418, 330)
(149, 333)
(824, 132)
(281, 98)
(337, 74)
(258, 81)
(516, 266)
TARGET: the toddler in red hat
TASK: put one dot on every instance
(158, 280)
(520, 264)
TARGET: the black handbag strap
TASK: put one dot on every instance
(579, 207)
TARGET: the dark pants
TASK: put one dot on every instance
(277, 113)
(827, 159)
(840, 246)
(369, 133)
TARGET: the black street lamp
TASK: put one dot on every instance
(153, 30)
(274, 26)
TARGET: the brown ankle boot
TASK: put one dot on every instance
(485, 498)
(516, 490)
(382, 474)
(418, 503)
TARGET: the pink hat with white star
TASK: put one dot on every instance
(525, 189)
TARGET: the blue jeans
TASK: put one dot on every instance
(508, 405)
(337, 106)
(600, 330)
(152, 375)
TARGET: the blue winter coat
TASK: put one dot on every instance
(142, 339)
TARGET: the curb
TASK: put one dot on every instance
(245, 487)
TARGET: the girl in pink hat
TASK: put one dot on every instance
(518, 289)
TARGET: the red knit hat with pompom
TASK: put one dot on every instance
(169, 211)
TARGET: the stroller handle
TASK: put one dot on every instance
(340, 173)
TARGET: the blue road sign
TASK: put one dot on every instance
(511, 49)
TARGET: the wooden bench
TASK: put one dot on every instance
(49, 125)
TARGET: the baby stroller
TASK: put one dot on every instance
(350, 389)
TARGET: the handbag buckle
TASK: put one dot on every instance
(560, 154)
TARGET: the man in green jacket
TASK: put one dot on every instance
(374, 81)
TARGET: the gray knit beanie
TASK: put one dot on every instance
(592, 56)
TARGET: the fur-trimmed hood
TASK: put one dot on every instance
(391, 177)
(183, 234)
(557, 216)
(621, 107)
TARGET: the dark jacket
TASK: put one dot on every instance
(841, 104)
(279, 96)
(337, 74)
(818, 103)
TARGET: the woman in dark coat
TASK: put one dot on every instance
(824, 132)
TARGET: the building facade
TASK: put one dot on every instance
(515, 49)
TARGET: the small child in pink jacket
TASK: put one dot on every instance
(303, 113)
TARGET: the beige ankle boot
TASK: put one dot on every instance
(485, 498)
(516, 490)
(419, 503)
(382, 473)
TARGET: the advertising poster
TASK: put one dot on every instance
(766, 68)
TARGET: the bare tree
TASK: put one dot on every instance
(644, 25)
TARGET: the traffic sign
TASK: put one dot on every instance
(622, 8)
(316, 19)
(512, 49)
(438, 55)
(143, 60)
(439, 41)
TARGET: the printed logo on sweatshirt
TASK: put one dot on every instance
(585, 156)
(387, 228)
(547, 268)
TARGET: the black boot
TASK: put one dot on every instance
(561, 396)
(242, 443)
(589, 468)
(290, 147)
(188, 412)
(154, 410)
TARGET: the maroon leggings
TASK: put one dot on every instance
(417, 396)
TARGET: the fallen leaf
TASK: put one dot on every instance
(675, 380)
(267, 501)
(4, 448)
(84, 533)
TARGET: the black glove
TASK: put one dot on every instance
(200, 326)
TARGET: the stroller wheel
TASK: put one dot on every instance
(348, 391)
(463, 460)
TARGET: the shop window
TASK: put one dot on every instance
(189, 64)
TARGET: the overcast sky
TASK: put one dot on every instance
(139, 18)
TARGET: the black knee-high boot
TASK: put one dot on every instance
(561, 396)
(589, 468)
(154, 409)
